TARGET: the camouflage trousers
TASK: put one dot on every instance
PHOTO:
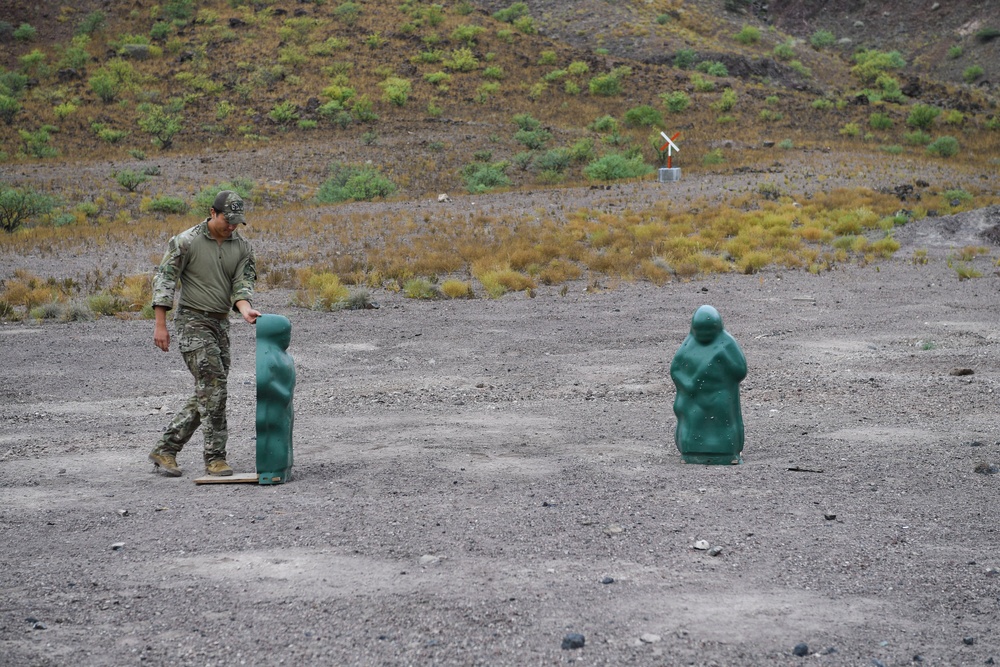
(204, 343)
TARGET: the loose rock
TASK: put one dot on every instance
(701, 545)
(801, 649)
(649, 638)
(573, 640)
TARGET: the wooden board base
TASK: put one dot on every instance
(238, 478)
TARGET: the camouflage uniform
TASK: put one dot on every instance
(212, 277)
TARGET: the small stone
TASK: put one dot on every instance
(829, 517)
(608, 580)
(986, 469)
(614, 529)
(122, 512)
(968, 641)
(701, 545)
(444, 198)
(715, 551)
(39, 626)
(117, 546)
(961, 371)
(649, 638)
(429, 559)
(801, 649)
(572, 641)
(877, 663)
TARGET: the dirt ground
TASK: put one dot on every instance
(475, 480)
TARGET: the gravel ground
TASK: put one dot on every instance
(475, 480)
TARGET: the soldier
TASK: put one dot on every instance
(216, 271)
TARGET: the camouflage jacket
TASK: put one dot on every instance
(212, 276)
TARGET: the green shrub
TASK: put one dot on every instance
(347, 12)
(605, 85)
(420, 288)
(713, 157)
(676, 101)
(822, 104)
(870, 63)
(955, 52)
(785, 144)
(36, 144)
(357, 183)
(532, 139)
(283, 113)
(917, 138)
(701, 84)
(685, 58)
(879, 121)
(9, 108)
(643, 116)
(25, 33)
(943, 147)
(129, 179)
(850, 130)
(726, 102)
(784, 51)
(748, 35)
(970, 74)
(960, 195)
(712, 68)
(922, 116)
(893, 149)
(467, 34)
(485, 177)
(18, 205)
(462, 60)
(822, 38)
(512, 13)
(91, 23)
(614, 166)
(604, 124)
(988, 34)
(493, 72)
(161, 126)
(169, 205)
(556, 160)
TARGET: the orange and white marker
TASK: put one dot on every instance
(670, 146)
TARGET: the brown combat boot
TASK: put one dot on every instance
(166, 463)
(218, 467)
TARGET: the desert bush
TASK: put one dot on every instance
(610, 84)
(712, 68)
(892, 149)
(169, 205)
(512, 13)
(870, 63)
(850, 130)
(129, 179)
(922, 116)
(643, 116)
(917, 138)
(532, 139)
(953, 117)
(943, 147)
(685, 58)
(9, 108)
(320, 291)
(498, 281)
(822, 39)
(283, 112)
(37, 143)
(955, 52)
(420, 288)
(713, 157)
(18, 205)
(25, 33)
(485, 177)
(676, 101)
(347, 12)
(988, 34)
(701, 84)
(822, 104)
(748, 35)
(357, 183)
(160, 125)
(467, 34)
(726, 102)
(971, 73)
(784, 51)
(462, 60)
(879, 121)
(957, 195)
(456, 289)
(615, 166)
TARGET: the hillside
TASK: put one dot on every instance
(424, 90)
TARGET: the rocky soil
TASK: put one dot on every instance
(476, 480)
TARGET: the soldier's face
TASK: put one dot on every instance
(220, 226)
